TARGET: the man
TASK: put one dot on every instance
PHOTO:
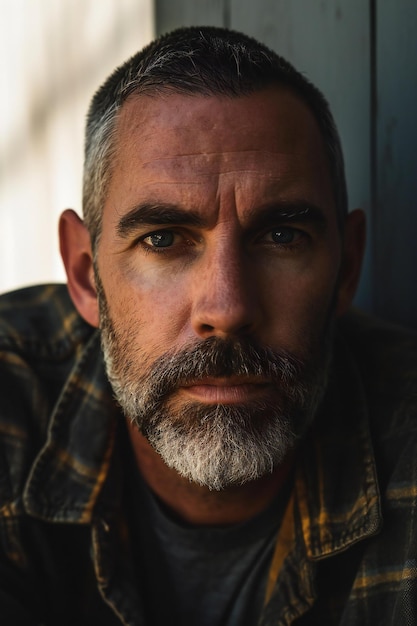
(258, 462)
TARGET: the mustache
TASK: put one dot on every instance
(223, 358)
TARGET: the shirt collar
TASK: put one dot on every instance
(69, 472)
(337, 494)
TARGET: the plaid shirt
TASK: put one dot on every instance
(346, 551)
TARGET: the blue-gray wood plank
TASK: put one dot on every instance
(395, 225)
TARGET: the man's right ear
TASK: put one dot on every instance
(76, 253)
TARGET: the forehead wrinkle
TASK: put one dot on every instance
(245, 193)
(164, 170)
(259, 158)
(187, 163)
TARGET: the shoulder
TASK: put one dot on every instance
(387, 346)
(386, 358)
(41, 322)
(385, 355)
(41, 336)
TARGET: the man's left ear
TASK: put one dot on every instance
(353, 250)
(77, 256)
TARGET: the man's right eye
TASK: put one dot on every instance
(159, 239)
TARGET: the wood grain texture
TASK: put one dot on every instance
(395, 225)
(170, 14)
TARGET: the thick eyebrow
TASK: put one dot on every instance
(168, 214)
(155, 215)
(288, 212)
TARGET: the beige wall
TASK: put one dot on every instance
(54, 54)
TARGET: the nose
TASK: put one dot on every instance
(224, 301)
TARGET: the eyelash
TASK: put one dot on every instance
(148, 249)
(188, 242)
(301, 237)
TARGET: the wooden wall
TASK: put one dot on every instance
(363, 55)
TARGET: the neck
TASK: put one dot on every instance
(196, 504)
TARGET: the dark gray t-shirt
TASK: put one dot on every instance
(202, 576)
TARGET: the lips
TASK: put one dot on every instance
(233, 390)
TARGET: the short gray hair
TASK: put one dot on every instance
(197, 60)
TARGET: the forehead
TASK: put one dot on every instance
(183, 148)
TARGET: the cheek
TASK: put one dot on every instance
(299, 305)
(153, 307)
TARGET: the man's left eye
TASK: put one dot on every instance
(160, 239)
(284, 235)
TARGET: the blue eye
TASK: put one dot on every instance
(283, 235)
(161, 239)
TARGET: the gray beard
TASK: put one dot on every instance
(217, 446)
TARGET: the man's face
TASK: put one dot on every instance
(217, 272)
